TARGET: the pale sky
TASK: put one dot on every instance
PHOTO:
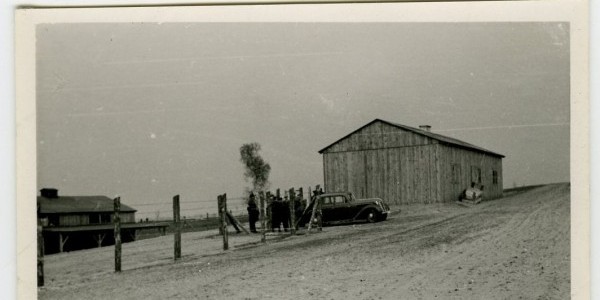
(147, 111)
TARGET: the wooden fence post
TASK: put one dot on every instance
(117, 222)
(40, 250)
(220, 204)
(222, 218)
(177, 223)
(292, 211)
(263, 222)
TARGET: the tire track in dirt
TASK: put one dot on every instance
(521, 217)
(517, 223)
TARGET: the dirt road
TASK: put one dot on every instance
(512, 248)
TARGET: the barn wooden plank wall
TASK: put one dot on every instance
(403, 167)
(466, 160)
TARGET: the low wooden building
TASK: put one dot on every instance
(402, 165)
(80, 222)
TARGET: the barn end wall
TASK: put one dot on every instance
(459, 167)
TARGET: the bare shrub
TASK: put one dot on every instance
(257, 169)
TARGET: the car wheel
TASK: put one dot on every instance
(371, 216)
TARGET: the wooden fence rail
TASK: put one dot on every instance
(223, 216)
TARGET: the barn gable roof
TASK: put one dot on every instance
(441, 138)
(79, 204)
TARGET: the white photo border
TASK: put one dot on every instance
(574, 12)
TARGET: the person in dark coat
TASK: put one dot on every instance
(316, 191)
(280, 214)
(276, 214)
(253, 212)
(269, 210)
(285, 214)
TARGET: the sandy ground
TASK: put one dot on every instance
(511, 248)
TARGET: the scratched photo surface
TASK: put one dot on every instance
(147, 111)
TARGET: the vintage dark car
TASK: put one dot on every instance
(343, 207)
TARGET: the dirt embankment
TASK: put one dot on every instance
(517, 247)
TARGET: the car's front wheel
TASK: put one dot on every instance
(372, 216)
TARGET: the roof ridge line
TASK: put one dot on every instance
(436, 136)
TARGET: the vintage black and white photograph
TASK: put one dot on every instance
(253, 159)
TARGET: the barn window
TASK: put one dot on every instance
(476, 175)
(494, 177)
(455, 174)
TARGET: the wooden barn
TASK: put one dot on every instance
(80, 222)
(402, 165)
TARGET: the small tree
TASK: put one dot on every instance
(256, 168)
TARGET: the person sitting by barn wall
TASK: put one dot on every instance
(473, 194)
(463, 194)
(253, 212)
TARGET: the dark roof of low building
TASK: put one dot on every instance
(79, 204)
(441, 138)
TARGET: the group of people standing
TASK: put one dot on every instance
(277, 210)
